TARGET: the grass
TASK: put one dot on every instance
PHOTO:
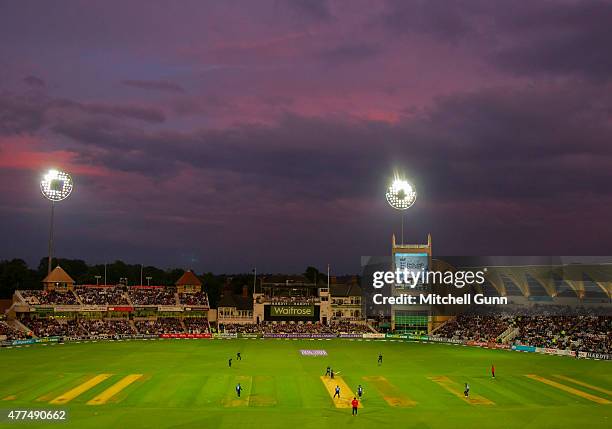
(187, 383)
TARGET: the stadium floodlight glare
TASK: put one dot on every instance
(56, 185)
(400, 195)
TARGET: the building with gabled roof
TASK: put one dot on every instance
(58, 280)
(346, 301)
(188, 283)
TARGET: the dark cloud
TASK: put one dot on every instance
(350, 52)
(31, 112)
(441, 19)
(20, 113)
(146, 114)
(154, 85)
(569, 38)
(558, 38)
(497, 143)
(311, 9)
(34, 82)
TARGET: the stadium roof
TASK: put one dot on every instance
(58, 275)
(188, 279)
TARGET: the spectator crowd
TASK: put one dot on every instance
(196, 325)
(539, 326)
(197, 298)
(11, 333)
(101, 296)
(161, 325)
(152, 296)
(42, 297)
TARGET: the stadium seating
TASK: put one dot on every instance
(474, 327)
(197, 298)
(11, 333)
(41, 297)
(161, 325)
(101, 296)
(196, 325)
(583, 332)
(152, 296)
(539, 326)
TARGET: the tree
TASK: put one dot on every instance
(315, 276)
(212, 285)
(15, 274)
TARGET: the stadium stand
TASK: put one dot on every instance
(582, 332)
(474, 327)
(42, 297)
(152, 295)
(234, 328)
(161, 325)
(104, 327)
(539, 326)
(196, 298)
(346, 327)
(196, 325)
(101, 295)
(10, 333)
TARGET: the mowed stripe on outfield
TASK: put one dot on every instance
(103, 397)
(569, 389)
(346, 394)
(232, 400)
(454, 388)
(263, 392)
(390, 393)
(583, 384)
(80, 389)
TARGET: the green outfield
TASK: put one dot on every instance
(187, 383)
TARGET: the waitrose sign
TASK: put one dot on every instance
(292, 310)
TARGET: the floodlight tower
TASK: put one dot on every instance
(56, 186)
(401, 196)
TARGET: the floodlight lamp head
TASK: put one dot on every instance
(56, 185)
(400, 195)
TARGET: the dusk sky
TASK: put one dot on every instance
(223, 135)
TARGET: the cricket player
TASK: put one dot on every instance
(328, 370)
(359, 391)
(355, 404)
(493, 371)
(229, 362)
(238, 356)
(379, 358)
(337, 392)
(466, 392)
(238, 389)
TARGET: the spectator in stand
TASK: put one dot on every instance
(474, 327)
(41, 297)
(161, 325)
(101, 296)
(196, 325)
(11, 333)
(197, 298)
(152, 295)
(548, 326)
